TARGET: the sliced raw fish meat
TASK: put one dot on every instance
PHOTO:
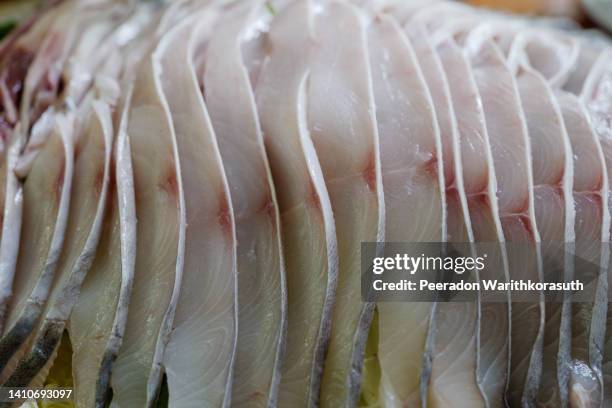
(511, 154)
(262, 326)
(206, 319)
(411, 166)
(46, 202)
(105, 292)
(136, 373)
(554, 209)
(456, 324)
(342, 124)
(596, 95)
(592, 221)
(309, 235)
(88, 203)
(587, 56)
(480, 188)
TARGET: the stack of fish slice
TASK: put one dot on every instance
(185, 187)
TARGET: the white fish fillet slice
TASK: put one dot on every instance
(457, 325)
(592, 220)
(262, 325)
(81, 113)
(411, 166)
(480, 186)
(342, 124)
(588, 54)
(554, 209)
(596, 95)
(512, 160)
(46, 200)
(158, 192)
(309, 235)
(200, 355)
(551, 53)
(88, 203)
(105, 293)
(49, 43)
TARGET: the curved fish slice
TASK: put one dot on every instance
(554, 210)
(105, 293)
(511, 153)
(588, 54)
(88, 203)
(592, 221)
(5, 287)
(200, 355)
(597, 96)
(342, 124)
(46, 203)
(480, 186)
(136, 373)
(262, 326)
(411, 166)
(309, 235)
(39, 54)
(457, 324)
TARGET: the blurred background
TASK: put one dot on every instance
(586, 13)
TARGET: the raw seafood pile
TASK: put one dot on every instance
(185, 188)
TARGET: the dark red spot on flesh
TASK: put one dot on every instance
(267, 207)
(19, 62)
(223, 215)
(431, 166)
(98, 181)
(170, 183)
(369, 171)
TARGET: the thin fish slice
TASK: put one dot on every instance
(554, 210)
(309, 235)
(512, 160)
(199, 358)
(457, 324)
(105, 294)
(16, 65)
(88, 203)
(587, 56)
(262, 326)
(81, 112)
(136, 374)
(596, 95)
(342, 123)
(412, 177)
(592, 220)
(46, 197)
(479, 182)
